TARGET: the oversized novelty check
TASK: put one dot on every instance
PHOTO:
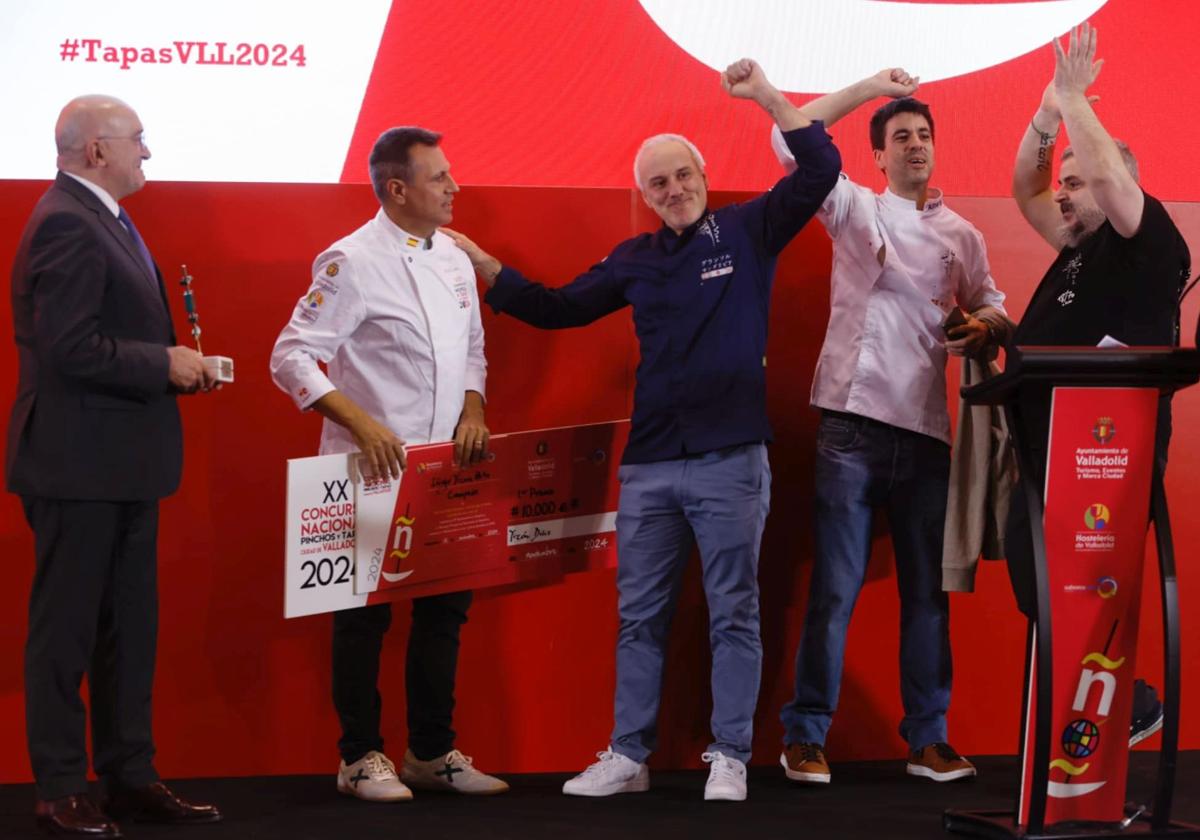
(541, 504)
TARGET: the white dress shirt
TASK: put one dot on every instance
(397, 325)
(99, 191)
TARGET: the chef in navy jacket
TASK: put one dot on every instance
(695, 469)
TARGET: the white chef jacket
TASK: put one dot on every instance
(398, 328)
(883, 355)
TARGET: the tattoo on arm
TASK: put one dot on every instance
(1045, 152)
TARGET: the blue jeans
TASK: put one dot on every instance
(718, 501)
(861, 465)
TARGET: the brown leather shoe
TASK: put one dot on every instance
(805, 763)
(939, 762)
(75, 814)
(158, 804)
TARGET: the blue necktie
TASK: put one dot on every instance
(124, 219)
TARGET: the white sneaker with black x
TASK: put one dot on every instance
(372, 777)
(452, 772)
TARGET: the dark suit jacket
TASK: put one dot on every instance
(94, 416)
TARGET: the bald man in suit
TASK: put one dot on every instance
(93, 443)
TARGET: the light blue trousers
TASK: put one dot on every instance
(717, 501)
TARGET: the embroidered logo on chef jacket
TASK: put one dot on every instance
(716, 266)
(310, 305)
(325, 287)
(948, 259)
(1066, 298)
(462, 292)
(711, 229)
(450, 270)
(322, 293)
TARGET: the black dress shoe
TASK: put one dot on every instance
(156, 803)
(76, 814)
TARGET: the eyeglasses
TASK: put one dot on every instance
(139, 138)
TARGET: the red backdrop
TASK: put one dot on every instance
(241, 691)
(561, 94)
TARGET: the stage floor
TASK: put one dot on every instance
(866, 800)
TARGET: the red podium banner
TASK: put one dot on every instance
(1098, 472)
(541, 504)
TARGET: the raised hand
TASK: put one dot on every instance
(1050, 107)
(895, 82)
(1075, 69)
(745, 79)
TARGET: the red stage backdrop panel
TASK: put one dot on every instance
(536, 672)
(542, 106)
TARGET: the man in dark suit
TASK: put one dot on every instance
(94, 442)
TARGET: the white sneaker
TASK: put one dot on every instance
(372, 777)
(613, 773)
(726, 777)
(450, 772)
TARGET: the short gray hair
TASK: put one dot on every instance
(658, 140)
(390, 155)
(1126, 156)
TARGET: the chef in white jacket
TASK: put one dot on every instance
(393, 314)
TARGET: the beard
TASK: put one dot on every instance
(1087, 221)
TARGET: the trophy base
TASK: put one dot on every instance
(219, 368)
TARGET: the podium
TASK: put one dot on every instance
(1033, 378)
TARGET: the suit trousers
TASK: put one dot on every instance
(430, 669)
(93, 610)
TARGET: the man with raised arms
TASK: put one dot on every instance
(902, 262)
(695, 470)
(1120, 270)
